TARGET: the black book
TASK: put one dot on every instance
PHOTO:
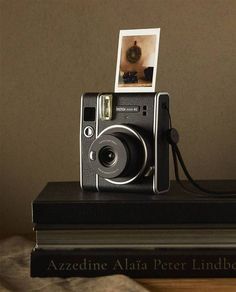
(65, 203)
(138, 237)
(139, 263)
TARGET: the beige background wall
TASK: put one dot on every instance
(52, 51)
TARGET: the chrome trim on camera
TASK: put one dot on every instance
(155, 133)
(155, 127)
(96, 135)
(80, 151)
(145, 153)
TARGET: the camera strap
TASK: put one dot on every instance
(173, 139)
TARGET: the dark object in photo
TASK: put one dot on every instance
(130, 77)
(124, 148)
(134, 53)
(148, 73)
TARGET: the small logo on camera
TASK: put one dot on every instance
(128, 108)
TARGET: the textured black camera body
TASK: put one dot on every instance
(123, 145)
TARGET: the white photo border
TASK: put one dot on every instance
(137, 32)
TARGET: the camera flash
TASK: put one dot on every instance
(106, 107)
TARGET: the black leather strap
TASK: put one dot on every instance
(173, 139)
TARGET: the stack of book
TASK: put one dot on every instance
(177, 234)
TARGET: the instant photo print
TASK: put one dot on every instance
(137, 60)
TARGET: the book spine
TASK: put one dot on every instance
(136, 264)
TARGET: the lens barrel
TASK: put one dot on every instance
(119, 154)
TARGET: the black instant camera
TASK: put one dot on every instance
(123, 144)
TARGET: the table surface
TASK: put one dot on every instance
(193, 285)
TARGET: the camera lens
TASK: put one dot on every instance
(112, 156)
(107, 156)
(121, 154)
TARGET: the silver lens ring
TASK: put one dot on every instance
(137, 135)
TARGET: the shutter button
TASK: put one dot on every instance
(88, 132)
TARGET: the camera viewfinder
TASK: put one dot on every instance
(89, 114)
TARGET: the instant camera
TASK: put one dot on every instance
(123, 145)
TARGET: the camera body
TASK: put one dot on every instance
(123, 143)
